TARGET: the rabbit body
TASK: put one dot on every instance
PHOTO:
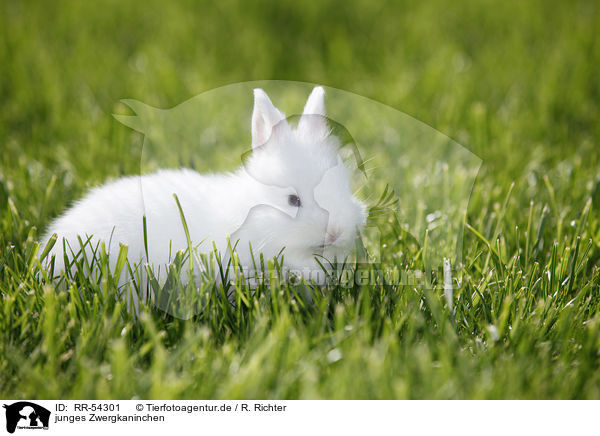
(114, 213)
(292, 196)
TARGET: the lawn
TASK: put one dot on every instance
(515, 83)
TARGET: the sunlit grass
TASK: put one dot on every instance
(514, 82)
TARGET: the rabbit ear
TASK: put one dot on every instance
(315, 105)
(264, 118)
(313, 121)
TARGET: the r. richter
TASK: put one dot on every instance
(258, 407)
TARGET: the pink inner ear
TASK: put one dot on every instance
(264, 118)
(258, 130)
(265, 132)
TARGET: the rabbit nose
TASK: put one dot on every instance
(333, 235)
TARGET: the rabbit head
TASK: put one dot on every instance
(307, 204)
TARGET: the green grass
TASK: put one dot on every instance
(514, 82)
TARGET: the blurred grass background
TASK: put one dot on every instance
(514, 82)
(509, 81)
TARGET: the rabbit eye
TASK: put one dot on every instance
(294, 200)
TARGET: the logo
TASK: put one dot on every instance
(26, 415)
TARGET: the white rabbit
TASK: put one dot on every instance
(292, 194)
